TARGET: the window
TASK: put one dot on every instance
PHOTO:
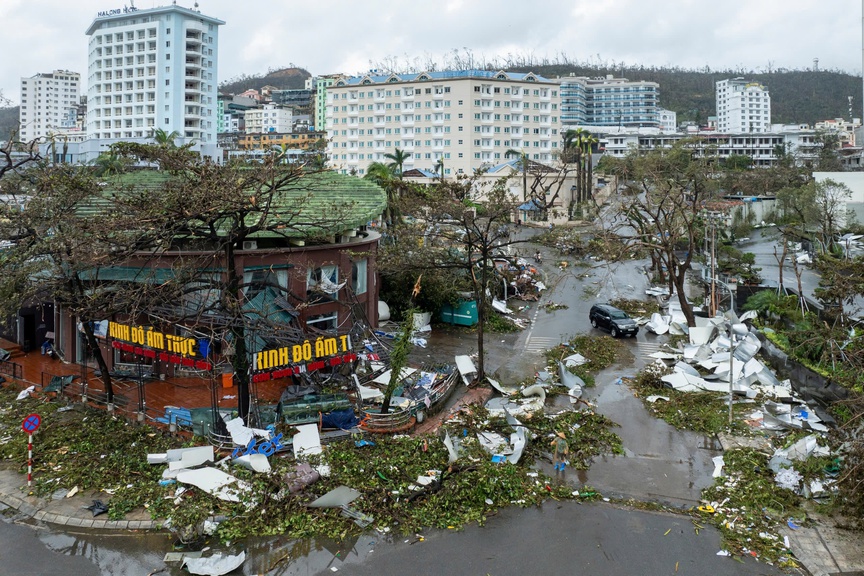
(323, 322)
(359, 276)
(321, 283)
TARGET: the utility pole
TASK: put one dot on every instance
(713, 307)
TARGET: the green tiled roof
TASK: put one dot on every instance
(321, 195)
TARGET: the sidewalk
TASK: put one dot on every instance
(827, 551)
(70, 512)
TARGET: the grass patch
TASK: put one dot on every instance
(705, 412)
(635, 307)
(600, 351)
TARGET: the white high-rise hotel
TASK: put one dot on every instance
(467, 119)
(742, 106)
(152, 69)
(48, 103)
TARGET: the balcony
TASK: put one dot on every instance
(407, 97)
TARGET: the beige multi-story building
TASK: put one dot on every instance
(466, 119)
(48, 104)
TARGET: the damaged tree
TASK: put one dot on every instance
(664, 214)
(63, 239)
(449, 235)
(209, 211)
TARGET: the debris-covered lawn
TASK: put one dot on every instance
(404, 483)
(597, 352)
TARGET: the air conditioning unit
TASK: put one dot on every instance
(250, 245)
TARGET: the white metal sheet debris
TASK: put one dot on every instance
(452, 452)
(535, 390)
(658, 324)
(241, 435)
(501, 306)
(505, 390)
(254, 462)
(189, 457)
(518, 439)
(575, 360)
(215, 565)
(653, 398)
(215, 482)
(306, 441)
(336, 498)
(718, 466)
(569, 380)
(384, 378)
(493, 442)
(466, 368)
(701, 335)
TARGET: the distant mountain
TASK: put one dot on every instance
(797, 96)
(283, 79)
(8, 122)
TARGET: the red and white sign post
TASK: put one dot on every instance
(30, 424)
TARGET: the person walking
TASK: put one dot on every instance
(562, 449)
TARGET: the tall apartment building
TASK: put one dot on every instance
(609, 101)
(742, 106)
(48, 103)
(467, 119)
(152, 69)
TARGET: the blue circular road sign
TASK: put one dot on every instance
(31, 423)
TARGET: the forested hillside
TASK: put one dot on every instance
(8, 121)
(283, 79)
(797, 96)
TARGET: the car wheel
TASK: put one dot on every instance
(614, 332)
(594, 322)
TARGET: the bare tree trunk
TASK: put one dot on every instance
(800, 288)
(100, 360)
(780, 261)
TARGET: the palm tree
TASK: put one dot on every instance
(398, 158)
(588, 142)
(165, 139)
(109, 163)
(383, 175)
(439, 167)
(572, 152)
(523, 166)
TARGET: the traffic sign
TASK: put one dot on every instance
(31, 423)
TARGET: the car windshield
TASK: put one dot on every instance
(618, 315)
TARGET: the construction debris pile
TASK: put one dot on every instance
(760, 491)
(521, 280)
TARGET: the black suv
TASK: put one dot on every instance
(610, 318)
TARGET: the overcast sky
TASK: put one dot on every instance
(327, 36)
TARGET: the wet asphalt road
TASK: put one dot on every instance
(560, 538)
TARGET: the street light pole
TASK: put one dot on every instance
(731, 365)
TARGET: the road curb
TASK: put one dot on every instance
(41, 510)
